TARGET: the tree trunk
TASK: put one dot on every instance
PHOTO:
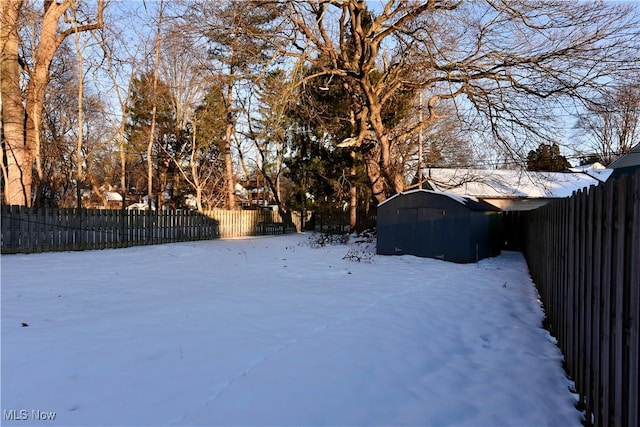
(17, 170)
(154, 109)
(50, 41)
(391, 174)
(228, 163)
(123, 164)
(353, 208)
(353, 195)
(80, 137)
(376, 181)
(18, 185)
(199, 198)
(353, 190)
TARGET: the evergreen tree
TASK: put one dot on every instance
(547, 158)
(325, 174)
(169, 140)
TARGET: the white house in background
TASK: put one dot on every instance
(509, 190)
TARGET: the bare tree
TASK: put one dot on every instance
(203, 168)
(509, 62)
(181, 69)
(128, 41)
(444, 143)
(80, 47)
(22, 111)
(611, 123)
(121, 72)
(268, 132)
(69, 139)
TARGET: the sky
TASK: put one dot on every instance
(275, 331)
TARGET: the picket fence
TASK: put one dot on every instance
(584, 256)
(29, 230)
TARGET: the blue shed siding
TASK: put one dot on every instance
(434, 225)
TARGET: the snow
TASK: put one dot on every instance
(273, 331)
(595, 170)
(496, 183)
(112, 196)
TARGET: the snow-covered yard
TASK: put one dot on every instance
(271, 331)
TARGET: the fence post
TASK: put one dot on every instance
(563, 303)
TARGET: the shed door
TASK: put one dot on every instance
(405, 242)
(430, 232)
(420, 231)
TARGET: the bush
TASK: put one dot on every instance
(318, 240)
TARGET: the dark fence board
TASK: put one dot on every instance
(587, 379)
(595, 230)
(571, 294)
(605, 301)
(617, 302)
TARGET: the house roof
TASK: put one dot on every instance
(113, 196)
(630, 159)
(486, 184)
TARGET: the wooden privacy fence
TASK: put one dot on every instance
(584, 256)
(27, 230)
(240, 223)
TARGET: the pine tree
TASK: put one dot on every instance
(547, 158)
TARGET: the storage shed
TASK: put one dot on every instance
(438, 225)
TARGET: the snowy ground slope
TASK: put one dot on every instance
(270, 331)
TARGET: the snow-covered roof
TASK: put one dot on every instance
(595, 170)
(481, 183)
(112, 196)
